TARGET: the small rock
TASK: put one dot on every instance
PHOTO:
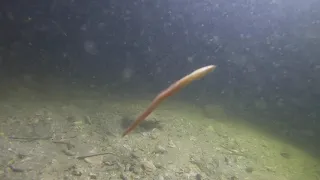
(160, 149)
(198, 177)
(285, 155)
(226, 160)
(127, 167)
(223, 177)
(148, 166)
(127, 147)
(160, 177)
(136, 154)
(158, 165)
(234, 178)
(124, 176)
(171, 144)
(249, 169)
(145, 134)
(192, 138)
(136, 169)
(92, 176)
(155, 133)
(66, 177)
(76, 172)
(169, 175)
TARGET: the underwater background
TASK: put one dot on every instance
(74, 74)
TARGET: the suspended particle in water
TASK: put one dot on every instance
(83, 27)
(90, 47)
(190, 59)
(127, 73)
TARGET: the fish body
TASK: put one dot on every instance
(172, 89)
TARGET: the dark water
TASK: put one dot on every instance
(266, 52)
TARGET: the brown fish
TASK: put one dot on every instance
(175, 87)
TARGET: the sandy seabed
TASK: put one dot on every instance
(50, 133)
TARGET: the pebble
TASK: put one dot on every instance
(124, 176)
(75, 172)
(155, 133)
(160, 177)
(92, 176)
(148, 166)
(160, 149)
(249, 169)
(127, 167)
(198, 177)
(192, 138)
(171, 144)
(159, 165)
(136, 169)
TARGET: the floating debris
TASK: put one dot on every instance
(90, 47)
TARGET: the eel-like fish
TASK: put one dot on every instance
(172, 89)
